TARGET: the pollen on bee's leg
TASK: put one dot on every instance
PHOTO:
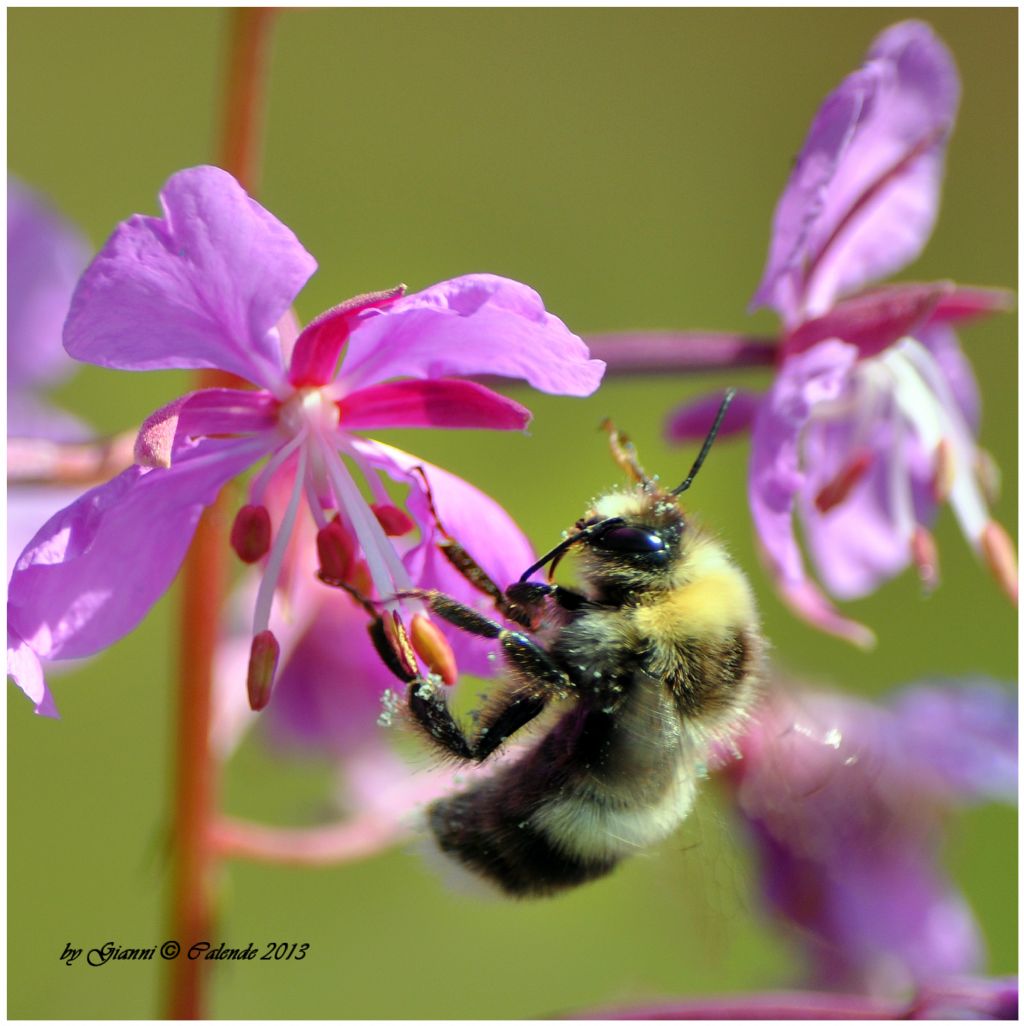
(263, 658)
(433, 648)
(925, 554)
(998, 549)
(944, 472)
(837, 490)
(398, 641)
(392, 519)
(336, 550)
(250, 533)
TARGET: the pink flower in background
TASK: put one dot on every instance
(872, 419)
(45, 256)
(210, 284)
(845, 802)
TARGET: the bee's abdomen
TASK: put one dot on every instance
(489, 834)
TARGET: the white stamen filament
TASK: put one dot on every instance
(929, 405)
(387, 570)
(272, 573)
(262, 479)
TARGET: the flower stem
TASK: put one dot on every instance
(680, 352)
(195, 769)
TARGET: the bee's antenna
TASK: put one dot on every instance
(730, 394)
(565, 543)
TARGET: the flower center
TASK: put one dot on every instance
(308, 408)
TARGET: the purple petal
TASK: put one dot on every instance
(863, 197)
(964, 734)
(445, 403)
(327, 694)
(776, 477)
(24, 667)
(93, 570)
(941, 341)
(203, 286)
(45, 256)
(691, 421)
(865, 539)
(477, 324)
(846, 818)
(475, 521)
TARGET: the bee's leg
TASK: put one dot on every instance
(624, 453)
(528, 593)
(522, 654)
(471, 569)
(431, 713)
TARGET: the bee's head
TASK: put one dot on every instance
(632, 540)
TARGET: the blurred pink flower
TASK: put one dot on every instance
(872, 418)
(210, 285)
(845, 802)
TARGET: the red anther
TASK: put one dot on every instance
(843, 483)
(925, 555)
(336, 549)
(433, 648)
(998, 550)
(392, 519)
(398, 639)
(944, 471)
(250, 533)
(263, 658)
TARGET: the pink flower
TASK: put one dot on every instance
(845, 802)
(210, 285)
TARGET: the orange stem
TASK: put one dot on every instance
(204, 576)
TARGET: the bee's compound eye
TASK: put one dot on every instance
(630, 539)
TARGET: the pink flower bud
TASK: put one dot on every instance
(250, 533)
(263, 658)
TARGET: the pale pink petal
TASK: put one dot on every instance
(477, 324)
(24, 667)
(863, 197)
(203, 286)
(92, 572)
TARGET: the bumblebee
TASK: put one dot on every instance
(652, 660)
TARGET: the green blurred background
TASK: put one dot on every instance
(626, 164)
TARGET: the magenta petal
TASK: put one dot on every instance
(477, 324)
(776, 477)
(24, 667)
(863, 197)
(207, 412)
(691, 421)
(445, 403)
(45, 256)
(315, 352)
(94, 569)
(874, 320)
(203, 286)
